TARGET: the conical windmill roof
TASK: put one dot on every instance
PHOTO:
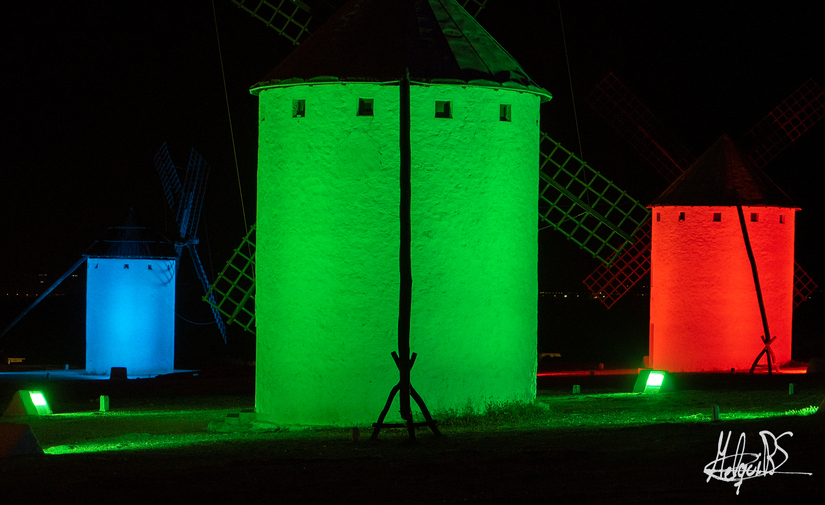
(131, 241)
(724, 177)
(376, 40)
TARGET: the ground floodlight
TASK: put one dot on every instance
(28, 403)
(651, 381)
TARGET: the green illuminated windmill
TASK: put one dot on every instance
(574, 198)
(648, 136)
(326, 250)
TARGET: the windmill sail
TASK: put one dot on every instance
(194, 189)
(233, 292)
(580, 203)
(639, 127)
(473, 6)
(168, 177)
(610, 281)
(187, 202)
(290, 18)
(43, 295)
(783, 125)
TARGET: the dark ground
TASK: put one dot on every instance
(589, 463)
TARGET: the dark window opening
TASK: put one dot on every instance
(717, 216)
(442, 109)
(299, 108)
(681, 216)
(781, 219)
(658, 217)
(754, 217)
(505, 112)
(365, 107)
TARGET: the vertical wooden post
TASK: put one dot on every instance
(404, 258)
(405, 359)
(766, 339)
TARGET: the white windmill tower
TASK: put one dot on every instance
(473, 112)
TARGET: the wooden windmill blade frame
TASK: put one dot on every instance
(785, 123)
(474, 7)
(186, 202)
(626, 113)
(168, 177)
(233, 292)
(584, 205)
(197, 173)
(289, 18)
(640, 127)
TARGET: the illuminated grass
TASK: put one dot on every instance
(628, 409)
(133, 442)
(169, 430)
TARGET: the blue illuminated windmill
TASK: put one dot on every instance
(130, 287)
(186, 202)
(130, 301)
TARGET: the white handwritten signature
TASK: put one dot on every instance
(741, 466)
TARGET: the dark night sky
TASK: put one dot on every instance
(92, 89)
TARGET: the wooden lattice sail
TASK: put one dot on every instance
(233, 292)
(582, 204)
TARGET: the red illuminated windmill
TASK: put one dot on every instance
(722, 262)
(637, 124)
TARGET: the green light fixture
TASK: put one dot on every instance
(651, 381)
(28, 403)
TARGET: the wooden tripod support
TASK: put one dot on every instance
(768, 352)
(406, 414)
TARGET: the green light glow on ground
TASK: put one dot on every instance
(130, 431)
(626, 409)
(537, 416)
(138, 442)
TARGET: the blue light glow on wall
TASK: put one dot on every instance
(130, 315)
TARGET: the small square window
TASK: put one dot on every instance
(126, 266)
(781, 219)
(717, 216)
(505, 112)
(442, 109)
(299, 108)
(754, 217)
(681, 216)
(365, 107)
